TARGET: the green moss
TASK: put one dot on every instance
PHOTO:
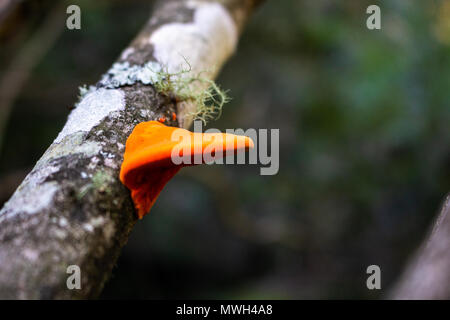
(99, 182)
(204, 93)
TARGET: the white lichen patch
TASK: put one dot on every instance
(93, 223)
(97, 221)
(63, 222)
(144, 113)
(88, 148)
(91, 110)
(30, 254)
(31, 199)
(107, 155)
(107, 227)
(205, 43)
(121, 74)
(111, 163)
(58, 233)
(88, 227)
(93, 163)
(70, 144)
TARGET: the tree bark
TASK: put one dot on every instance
(71, 209)
(428, 274)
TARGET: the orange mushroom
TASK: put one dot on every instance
(153, 152)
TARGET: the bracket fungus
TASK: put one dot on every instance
(154, 153)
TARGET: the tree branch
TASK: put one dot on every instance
(71, 209)
(427, 276)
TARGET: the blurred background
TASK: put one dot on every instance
(364, 145)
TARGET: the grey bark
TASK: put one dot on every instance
(71, 209)
(427, 276)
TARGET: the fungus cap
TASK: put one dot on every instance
(148, 159)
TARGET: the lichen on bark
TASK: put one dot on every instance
(71, 209)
